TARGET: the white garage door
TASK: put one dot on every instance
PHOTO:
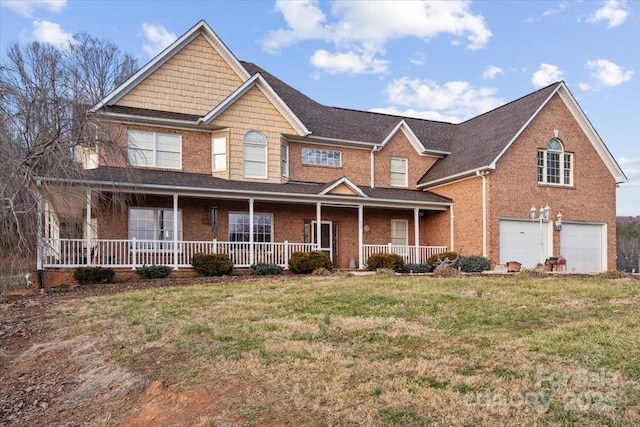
(520, 241)
(583, 245)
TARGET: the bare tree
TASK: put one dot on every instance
(44, 93)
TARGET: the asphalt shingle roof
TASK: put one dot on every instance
(177, 179)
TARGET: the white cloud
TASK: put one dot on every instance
(27, 7)
(410, 112)
(50, 32)
(418, 58)
(455, 100)
(349, 63)
(157, 38)
(585, 87)
(614, 12)
(631, 168)
(609, 73)
(561, 7)
(491, 72)
(546, 74)
(363, 29)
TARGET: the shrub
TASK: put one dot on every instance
(417, 268)
(433, 258)
(321, 272)
(93, 275)
(262, 269)
(153, 271)
(390, 261)
(474, 264)
(307, 262)
(212, 264)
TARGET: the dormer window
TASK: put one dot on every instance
(555, 166)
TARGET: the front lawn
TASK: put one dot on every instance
(384, 350)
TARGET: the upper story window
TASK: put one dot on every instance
(218, 153)
(399, 172)
(555, 166)
(255, 155)
(284, 155)
(314, 156)
(155, 149)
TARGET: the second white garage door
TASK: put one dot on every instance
(583, 247)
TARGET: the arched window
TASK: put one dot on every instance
(255, 155)
(555, 166)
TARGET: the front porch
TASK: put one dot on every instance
(132, 253)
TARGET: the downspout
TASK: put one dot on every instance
(39, 248)
(372, 179)
(483, 175)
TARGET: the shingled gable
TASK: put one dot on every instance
(201, 28)
(258, 81)
(480, 142)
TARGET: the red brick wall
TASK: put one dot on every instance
(467, 197)
(514, 186)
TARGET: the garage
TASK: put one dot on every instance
(583, 247)
(520, 241)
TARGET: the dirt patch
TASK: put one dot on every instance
(52, 375)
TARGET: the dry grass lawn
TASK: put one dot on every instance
(384, 350)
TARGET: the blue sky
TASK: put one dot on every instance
(446, 60)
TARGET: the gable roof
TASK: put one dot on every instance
(201, 28)
(340, 124)
(480, 142)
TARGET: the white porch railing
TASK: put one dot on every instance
(410, 254)
(135, 253)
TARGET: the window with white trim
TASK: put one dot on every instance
(154, 149)
(255, 155)
(154, 224)
(399, 232)
(399, 172)
(555, 166)
(219, 153)
(285, 160)
(240, 227)
(318, 157)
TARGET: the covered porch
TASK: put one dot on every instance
(250, 222)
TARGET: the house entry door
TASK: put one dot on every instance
(327, 237)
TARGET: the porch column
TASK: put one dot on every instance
(451, 234)
(318, 226)
(88, 228)
(251, 248)
(175, 231)
(416, 233)
(360, 238)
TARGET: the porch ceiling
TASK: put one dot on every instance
(204, 185)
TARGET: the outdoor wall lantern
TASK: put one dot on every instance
(544, 214)
(558, 224)
(366, 228)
